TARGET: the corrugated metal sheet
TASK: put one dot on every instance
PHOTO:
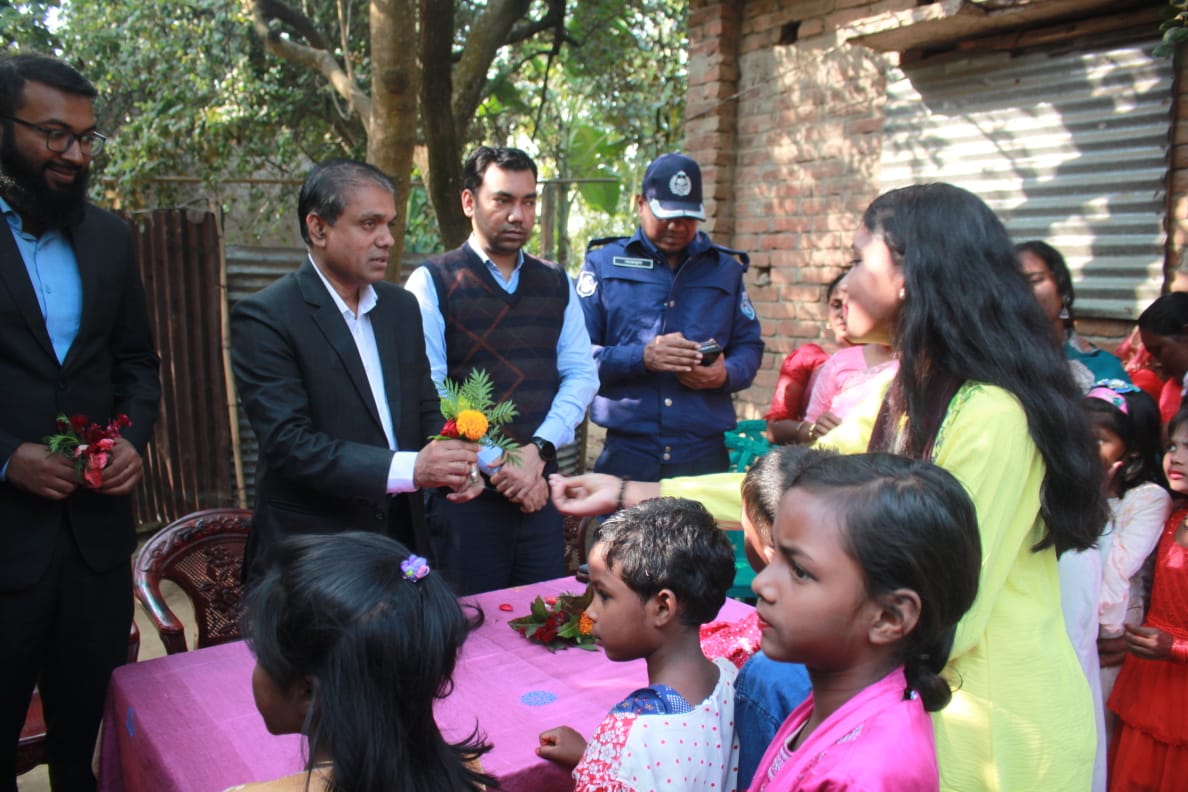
(1068, 147)
(250, 269)
(188, 464)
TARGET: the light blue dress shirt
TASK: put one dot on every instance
(53, 271)
(575, 358)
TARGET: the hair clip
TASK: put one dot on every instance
(414, 568)
(1116, 385)
(1110, 397)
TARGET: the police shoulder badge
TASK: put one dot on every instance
(586, 284)
(746, 306)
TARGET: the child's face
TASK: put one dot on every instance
(757, 549)
(812, 601)
(1175, 460)
(616, 610)
(1109, 445)
(283, 710)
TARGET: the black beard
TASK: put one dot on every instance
(34, 199)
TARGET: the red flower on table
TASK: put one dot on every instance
(558, 622)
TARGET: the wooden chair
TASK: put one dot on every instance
(31, 747)
(203, 554)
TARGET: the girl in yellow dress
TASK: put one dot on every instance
(982, 393)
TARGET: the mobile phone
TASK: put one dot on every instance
(709, 351)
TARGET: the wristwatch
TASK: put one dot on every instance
(548, 454)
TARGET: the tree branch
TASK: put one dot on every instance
(553, 18)
(315, 55)
(488, 33)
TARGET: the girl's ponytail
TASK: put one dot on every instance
(923, 668)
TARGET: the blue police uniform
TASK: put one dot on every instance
(655, 425)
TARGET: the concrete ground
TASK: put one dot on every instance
(37, 779)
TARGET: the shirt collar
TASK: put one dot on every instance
(367, 295)
(483, 257)
(11, 215)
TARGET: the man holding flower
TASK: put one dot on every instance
(489, 306)
(330, 365)
(74, 340)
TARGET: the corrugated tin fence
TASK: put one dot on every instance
(189, 463)
(1070, 147)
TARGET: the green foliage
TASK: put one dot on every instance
(188, 91)
(23, 26)
(1174, 29)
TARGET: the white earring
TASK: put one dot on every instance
(902, 293)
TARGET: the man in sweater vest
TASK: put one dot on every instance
(490, 306)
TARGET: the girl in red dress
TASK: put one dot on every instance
(1149, 749)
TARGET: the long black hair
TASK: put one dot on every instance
(380, 649)
(909, 524)
(969, 315)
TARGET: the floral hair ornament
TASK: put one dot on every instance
(1107, 395)
(1117, 385)
(414, 568)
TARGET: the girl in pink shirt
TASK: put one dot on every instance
(876, 558)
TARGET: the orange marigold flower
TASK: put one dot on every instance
(472, 424)
(585, 625)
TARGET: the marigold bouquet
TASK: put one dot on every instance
(88, 444)
(471, 414)
(558, 622)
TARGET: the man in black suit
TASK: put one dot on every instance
(330, 363)
(74, 339)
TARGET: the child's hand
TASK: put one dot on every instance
(1148, 642)
(562, 745)
(1111, 651)
(1111, 475)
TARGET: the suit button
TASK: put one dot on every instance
(379, 515)
(63, 385)
(668, 402)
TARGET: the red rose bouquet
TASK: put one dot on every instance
(87, 444)
(558, 622)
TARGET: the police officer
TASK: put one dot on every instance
(674, 333)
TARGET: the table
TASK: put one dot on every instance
(187, 722)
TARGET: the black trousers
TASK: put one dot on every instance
(488, 543)
(65, 634)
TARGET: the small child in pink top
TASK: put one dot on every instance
(876, 558)
(659, 571)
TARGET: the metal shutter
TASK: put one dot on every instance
(1068, 147)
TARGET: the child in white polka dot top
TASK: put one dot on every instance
(659, 571)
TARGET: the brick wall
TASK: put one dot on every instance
(785, 114)
(803, 156)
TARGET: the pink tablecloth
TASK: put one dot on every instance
(187, 722)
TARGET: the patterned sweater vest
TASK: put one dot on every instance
(513, 337)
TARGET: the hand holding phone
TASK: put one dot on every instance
(709, 351)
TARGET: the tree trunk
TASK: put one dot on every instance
(392, 130)
(444, 180)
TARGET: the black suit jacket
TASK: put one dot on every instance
(111, 368)
(324, 458)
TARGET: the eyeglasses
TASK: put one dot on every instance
(59, 141)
